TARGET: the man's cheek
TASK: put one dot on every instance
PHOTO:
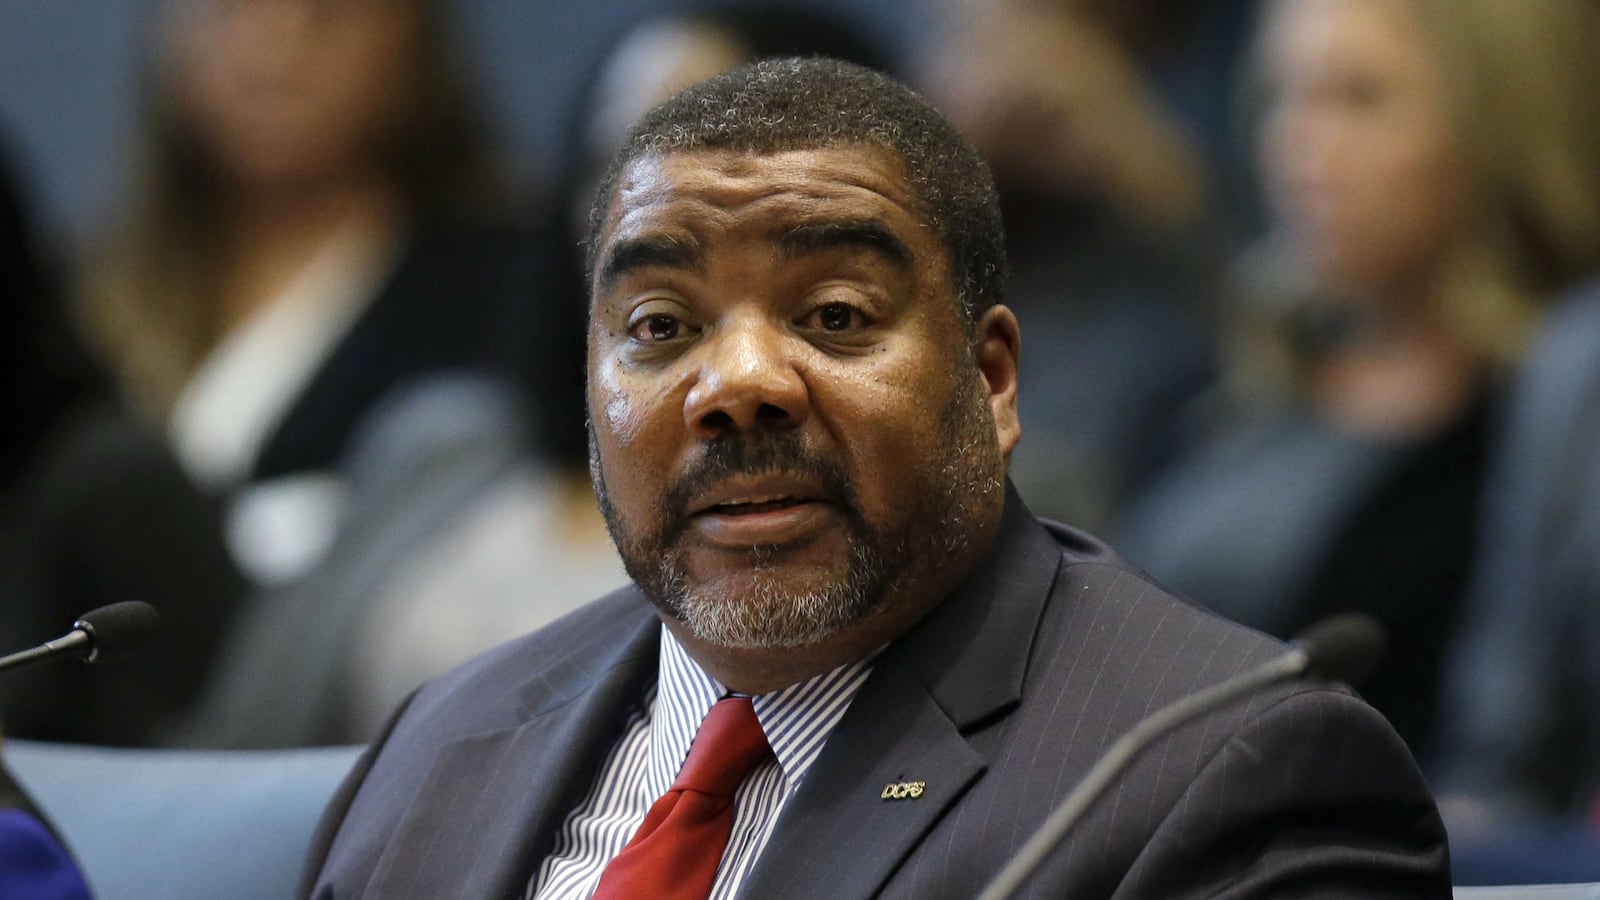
(618, 416)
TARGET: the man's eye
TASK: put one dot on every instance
(658, 327)
(837, 317)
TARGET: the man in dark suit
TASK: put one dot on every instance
(802, 388)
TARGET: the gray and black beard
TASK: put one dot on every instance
(880, 560)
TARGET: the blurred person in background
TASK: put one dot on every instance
(471, 515)
(309, 230)
(44, 371)
(1433, 171)
(45, 380)
(91, 511)
(1520, 763)
(43, 376)
(305, 236)
(1111, 214)
(1519, 780)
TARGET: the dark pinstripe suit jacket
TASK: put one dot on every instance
(1000, 701)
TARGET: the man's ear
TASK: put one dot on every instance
(997, 346)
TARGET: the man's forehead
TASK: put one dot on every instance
(865, 178)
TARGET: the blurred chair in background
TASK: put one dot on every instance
(183, 825)
(1433, 170)
(457, 537)
(312, 228)
(1530, 892)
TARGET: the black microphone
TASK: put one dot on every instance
(1340, 648)
(101, 635)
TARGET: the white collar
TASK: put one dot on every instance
(797, 719)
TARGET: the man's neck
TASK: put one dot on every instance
(757, 671)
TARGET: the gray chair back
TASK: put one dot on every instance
(183, 824)
(1530, 892)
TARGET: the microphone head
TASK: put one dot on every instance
(118, 630)
(1345, 647)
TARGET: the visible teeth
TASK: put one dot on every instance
(763, 503)
(753, 500)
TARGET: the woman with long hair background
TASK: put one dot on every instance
(1433, 173)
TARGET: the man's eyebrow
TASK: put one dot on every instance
(667, 250)
(816, 237)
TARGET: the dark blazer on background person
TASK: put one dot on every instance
(999, 701)
(1523, 700)
(440, 310)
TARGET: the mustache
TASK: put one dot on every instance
(754, 453)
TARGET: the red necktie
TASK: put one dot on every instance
(674, 855)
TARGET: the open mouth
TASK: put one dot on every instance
(754, 505)
(746, 512)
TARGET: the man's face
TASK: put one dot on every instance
(790, 424)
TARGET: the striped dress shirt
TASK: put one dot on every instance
(643, 764)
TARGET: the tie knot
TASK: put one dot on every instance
(728, 746)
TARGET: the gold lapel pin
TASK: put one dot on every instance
(905, 790)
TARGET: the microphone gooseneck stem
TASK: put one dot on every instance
(1009, 879)
(77, 641)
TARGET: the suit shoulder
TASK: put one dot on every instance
(1097, 582)
(1315, 781)
(537, 668)
(1116, 641)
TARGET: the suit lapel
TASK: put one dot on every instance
(838, 836)
(461, 842)
(958, 670)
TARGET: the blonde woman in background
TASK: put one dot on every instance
(1433, 173)
(1519, 777)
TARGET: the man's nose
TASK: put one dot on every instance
(747, 380)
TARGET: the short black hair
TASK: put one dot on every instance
(777, 105)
